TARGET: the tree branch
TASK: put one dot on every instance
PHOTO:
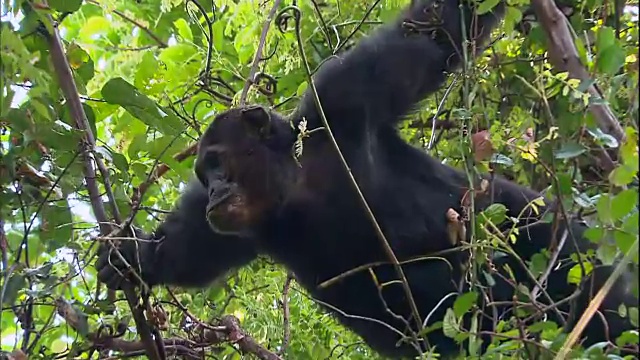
(564, 56)
(258, 56)
(70, 92)
(246, 343)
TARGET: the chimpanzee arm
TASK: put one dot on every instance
(389, 72)
(182, 251)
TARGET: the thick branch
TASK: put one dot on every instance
(230, 331)
(564, 56)
(70, 92)
(246, 343)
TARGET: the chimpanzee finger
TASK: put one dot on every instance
(109, 278)
(107, 261)
(108, 265)
(113, 277)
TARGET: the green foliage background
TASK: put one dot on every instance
(138, 67)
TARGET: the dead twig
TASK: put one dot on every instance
(285, 314)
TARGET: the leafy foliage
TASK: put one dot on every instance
(152, 74)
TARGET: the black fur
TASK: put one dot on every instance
(313, 221)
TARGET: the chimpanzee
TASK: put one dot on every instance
(252, 196)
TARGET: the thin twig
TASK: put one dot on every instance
(438, 111)
(285, 314)
(551, 266)
(155, 37)
(258, 55)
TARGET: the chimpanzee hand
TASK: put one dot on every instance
(129, 262)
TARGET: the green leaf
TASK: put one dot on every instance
(603, 208)
(16, 283)
(435, 326)
(575, 274)
(622, 310)
(56, 224)
(183, 29)
(624, 240)
(633, 315)
(622, 175)
(450, 324)
(146, 70)
(464, 303)
(538, 264)
(486, 6)
(569, 151)
(490, 281)
(475, 341)
(543, 326)
(607, 253)
(585, 84)
(629, 149)
(95, 25)
(65, 5)
(565, 180)
(88, 111)
(178, 53)
(120, 92)
(611, 59)
(5, 106)
(594, 234)
(496, 213)
(630, 223)
(58, 345)
(120, 161)
(41, 109)
(80, 62)
(244, 43)
(302, 88)
(628, 337)
(623, 203)
(606, 38)
(512, 17)
(91, 118)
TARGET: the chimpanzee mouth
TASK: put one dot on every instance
(219, 197)
(227, 210)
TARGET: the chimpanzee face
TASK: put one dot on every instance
(243, 159)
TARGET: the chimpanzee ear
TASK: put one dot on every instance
(257, 119)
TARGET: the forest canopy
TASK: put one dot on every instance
(102, 103)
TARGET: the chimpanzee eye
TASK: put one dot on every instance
(212, 160)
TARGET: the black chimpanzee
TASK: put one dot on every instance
(252, 197)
